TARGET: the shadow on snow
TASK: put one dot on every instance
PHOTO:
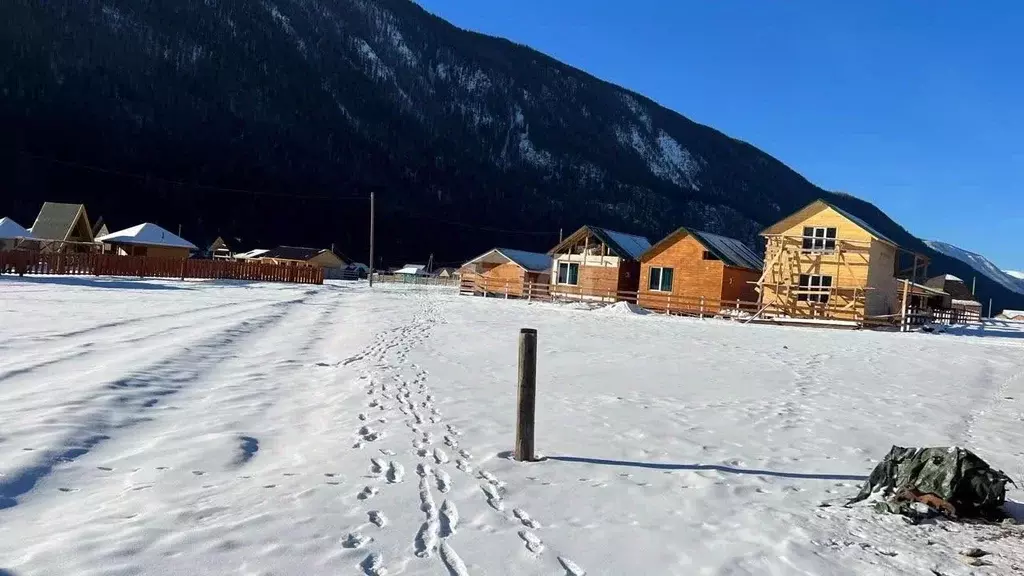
(711, 467)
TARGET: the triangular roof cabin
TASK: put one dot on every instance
(63, 222)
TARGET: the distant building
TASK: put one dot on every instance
(320, 257)
(412, 270)
(255, 253)
(447, 273)
(63, 227)
(148, 240)
(1012, 315)
(960, 296)
(11, 233)
(219, 250)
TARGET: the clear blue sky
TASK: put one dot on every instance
(915, 106)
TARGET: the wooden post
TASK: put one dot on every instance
(668, 305)
(701, 307)
(527, 396)
(506, 289)
(371, 240)
(989, 307)
(903, 307)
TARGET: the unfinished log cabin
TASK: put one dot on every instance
(597, 263)
(505, 271)
(693, 272)
(824, 263)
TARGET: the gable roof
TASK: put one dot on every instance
(823, 203)
(730, 251)
(531, 261)
(56, 220)
(293, 253)
(628, 246)
(147, 234)
(218, 244)
(9, 229)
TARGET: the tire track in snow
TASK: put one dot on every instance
(118, 406)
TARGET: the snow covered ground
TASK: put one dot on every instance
(152, 427)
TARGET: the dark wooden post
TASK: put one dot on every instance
(527, 394)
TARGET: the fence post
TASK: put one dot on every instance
(903, 306)
(527, 395)
(701, 307)
(506, 289)
(668, 305)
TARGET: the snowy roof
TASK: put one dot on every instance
(293, 253)
(255, 253)
(147, 234)
(730, 250)
(951, 277)
(1012, 313)
(413, 270)
(11, 229)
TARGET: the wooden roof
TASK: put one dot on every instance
(57, 220)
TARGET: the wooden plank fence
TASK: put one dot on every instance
(94, 264)
(655, 302)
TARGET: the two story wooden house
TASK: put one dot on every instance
(823, 262)
(597, 263)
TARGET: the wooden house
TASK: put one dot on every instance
(298, 255)
(447, 273)
(597, 263)
(822, 262)
(412, 270)
(148, 240)
(508, 271)
(693, 271)
(64, 228)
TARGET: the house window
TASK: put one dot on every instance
(814, 288)
(568, 273)
(709, 256)
(818, 239)
(660, 280)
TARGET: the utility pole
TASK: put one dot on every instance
(559, 235)
(430, 263)
(974, 285)
(179, 230)
(371, 239)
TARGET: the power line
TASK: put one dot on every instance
(147, 177)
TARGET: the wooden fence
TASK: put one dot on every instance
(23, 262)
(653, 301)
(413, 279)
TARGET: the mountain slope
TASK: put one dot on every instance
(269, 122)
(981, 264)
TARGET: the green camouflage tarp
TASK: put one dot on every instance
(908, 477)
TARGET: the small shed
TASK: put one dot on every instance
(508, 270)
(597, 263)
(447, 273)
(219, 250)
(63, 227)
(11, 233)
(149, 240)
(690, 270)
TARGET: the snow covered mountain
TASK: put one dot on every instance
(980, 264)
(1015, 274)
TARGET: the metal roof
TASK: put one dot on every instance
(293, 253)
(56, 220)
(628, 246)
(531, 261)
(729, 250)
(870, 229)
